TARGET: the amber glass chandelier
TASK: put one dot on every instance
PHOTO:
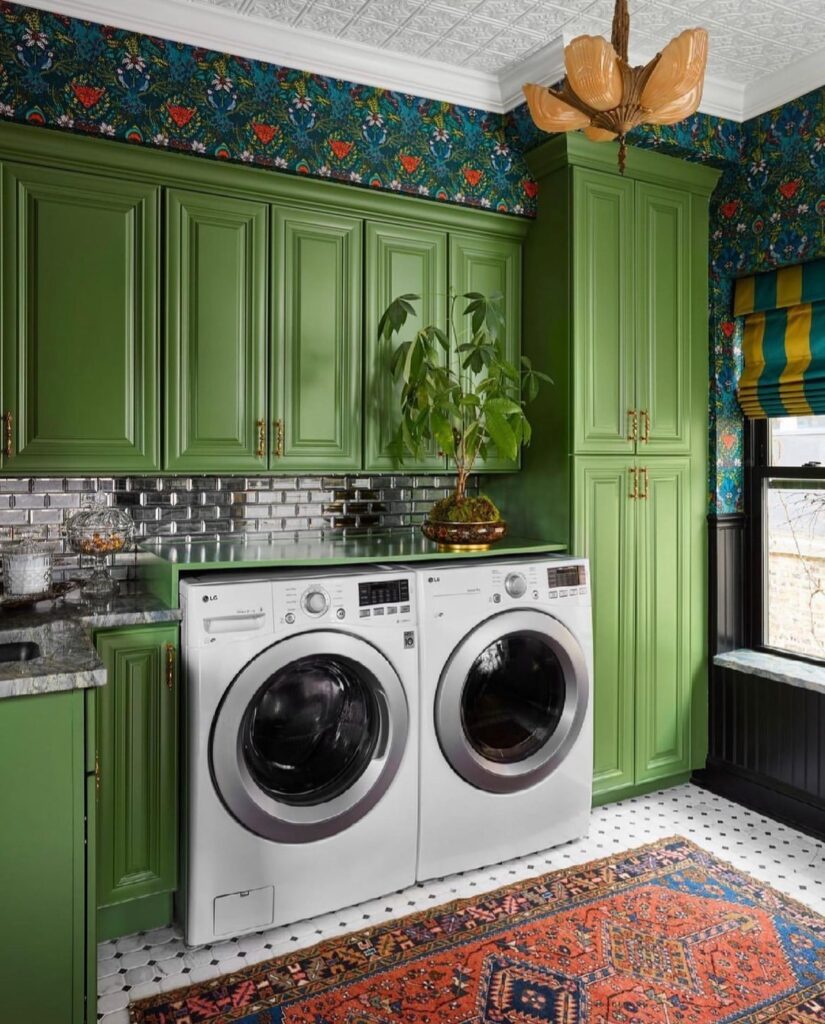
(605, 96)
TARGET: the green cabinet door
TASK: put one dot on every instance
(399, 261)
(605, 533)
(316, 366)
(663, 319)
(603, 314)
(216, 340)
(137, 749)
(42, 860)
(664, 621)
(80, 310)
(479, 263)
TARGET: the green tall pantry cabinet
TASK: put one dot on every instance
(615, 308)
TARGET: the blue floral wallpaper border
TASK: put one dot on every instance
(768, 210)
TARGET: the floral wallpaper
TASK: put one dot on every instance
(768, 210)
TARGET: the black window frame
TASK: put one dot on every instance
(757, 470)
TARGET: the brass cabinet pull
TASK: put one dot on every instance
(646, 477)
(170, 666)
(97, 773)
(633, 429)
(260, 451)
(279, 439)
(635, 474)
(9, 420)
(646, 432)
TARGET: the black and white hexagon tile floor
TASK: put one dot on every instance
(150, 962)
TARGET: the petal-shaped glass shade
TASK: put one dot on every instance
(680, 70)
(599, 134)
(551, 113)
(678, 109)
(593, 72)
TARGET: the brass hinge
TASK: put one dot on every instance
(170, 666)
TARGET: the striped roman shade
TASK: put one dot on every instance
(783, 342)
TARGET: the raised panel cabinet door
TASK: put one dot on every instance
(664, 623)
(481, 263)
(399, 261)
(216, 336)
(80, 310)
(605, 533)
(42, 860)
(137, 750)
(663, 319)
(316, 371)
(603, 314)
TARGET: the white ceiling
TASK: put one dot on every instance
(479, 52)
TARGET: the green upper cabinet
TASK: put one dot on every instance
(216, 334)
(481, 263)
(316, 390)
(663, 328)
(603, 313)
(399, 261)
(80, 312)
(137, 751)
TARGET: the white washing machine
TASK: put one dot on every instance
(506, 713)
(302, 759)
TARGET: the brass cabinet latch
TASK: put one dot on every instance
(170, 666)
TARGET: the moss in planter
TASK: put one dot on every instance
(465, 510)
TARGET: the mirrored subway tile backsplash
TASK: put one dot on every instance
(259, 507)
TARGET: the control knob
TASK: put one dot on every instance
(515, 584)
(315, 601)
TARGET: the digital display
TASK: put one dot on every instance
(566, 576)
(383, 592)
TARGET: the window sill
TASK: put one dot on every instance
(774, 666)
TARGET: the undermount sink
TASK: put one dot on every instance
(23, 650)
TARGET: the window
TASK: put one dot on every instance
(789, 486)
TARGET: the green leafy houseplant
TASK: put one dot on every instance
(460, 392)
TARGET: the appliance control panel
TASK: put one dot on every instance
(368, 601)
(509, 584)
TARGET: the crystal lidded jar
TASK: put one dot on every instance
(99, 530)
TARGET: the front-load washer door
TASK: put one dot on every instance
(309, 736)
(512, 700)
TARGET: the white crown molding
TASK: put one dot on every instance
(261, 39)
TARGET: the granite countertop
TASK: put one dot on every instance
(63, 631)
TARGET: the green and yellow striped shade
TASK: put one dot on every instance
(783, 342)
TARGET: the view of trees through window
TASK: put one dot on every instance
(795, 538)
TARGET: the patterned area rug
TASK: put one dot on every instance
(666, 934)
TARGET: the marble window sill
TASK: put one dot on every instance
(781, 669)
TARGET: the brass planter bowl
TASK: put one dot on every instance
(464, 536)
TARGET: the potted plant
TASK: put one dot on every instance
(459, 391)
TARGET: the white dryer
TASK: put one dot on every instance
(301, 762)
(506, 711)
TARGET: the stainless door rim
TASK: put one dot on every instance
(287, 823)
(464, 758)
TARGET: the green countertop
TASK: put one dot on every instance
(164, 559)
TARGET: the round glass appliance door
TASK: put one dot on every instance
(309, 736)
(512, 701)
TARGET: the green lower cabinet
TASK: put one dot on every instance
(137, 806)
(664, 620)
(633, 521)
(43, 921)
(605, 533)
(315, 406)
(399, 261)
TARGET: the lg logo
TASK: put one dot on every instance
(433, 579)
(209, 597)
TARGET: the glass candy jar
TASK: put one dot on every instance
(99, 530)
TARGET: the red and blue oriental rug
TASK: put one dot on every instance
(666, 934)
